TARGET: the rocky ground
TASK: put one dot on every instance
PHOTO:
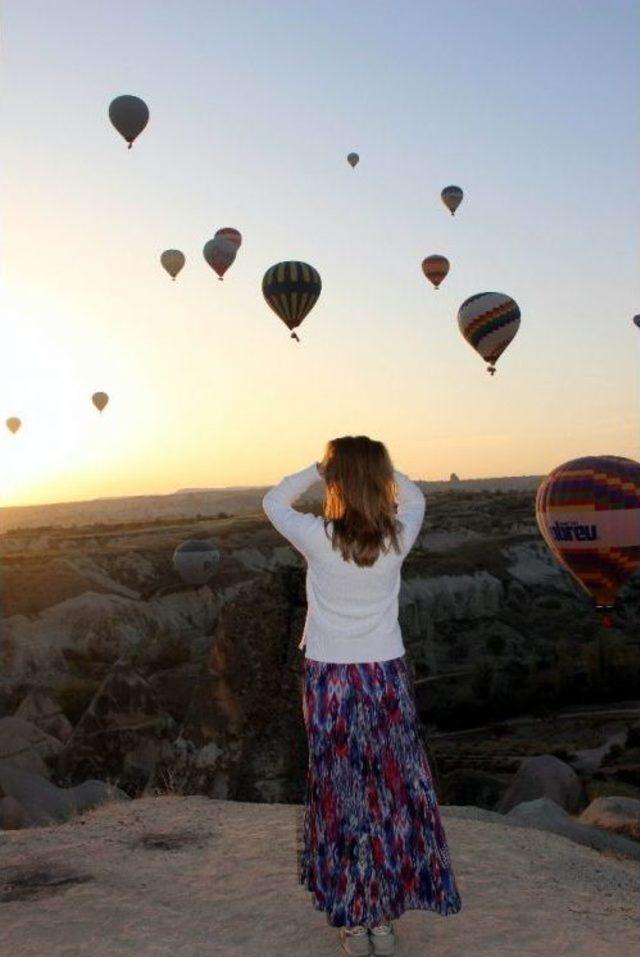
(194, 877)
(122, 674)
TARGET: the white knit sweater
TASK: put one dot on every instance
(352, 613)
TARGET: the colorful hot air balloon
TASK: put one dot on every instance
(353, 159)
(173, 261)
(195, 561)
(489, 321)
(129, 115)
(220, 253)
(13, 424)
(435, 268)
(636, 319)
(100, 400)
(292, 290)
(588, 512)
(231, 235)
(451, 197)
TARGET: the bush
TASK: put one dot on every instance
(495, 644)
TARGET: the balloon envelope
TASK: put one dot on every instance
(129, 114)
(353, 159)
(100, 400)
(13, 424)
(231, 235)
(195, 561)
(451, 197)
(636, 319)
(435, 268)
(292, 289)
(220, 253)
(588, 512)
(173, 261)
(489, 321)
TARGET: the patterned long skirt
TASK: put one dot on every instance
(373, 841)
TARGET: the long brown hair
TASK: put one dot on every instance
(360, 498)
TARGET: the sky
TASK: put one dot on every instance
(533, 107)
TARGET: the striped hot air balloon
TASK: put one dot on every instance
(435, 268)
(489, 321)
(588, 512)
(451, 197)
(292, 289)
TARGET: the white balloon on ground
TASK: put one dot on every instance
(195, 561)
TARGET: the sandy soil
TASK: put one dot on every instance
(193, 877)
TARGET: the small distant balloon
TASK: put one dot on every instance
(231, 235)
(291, 289)
(588, 512)
(195, 561)
(172, 260)
(13, 424)
(636, 319)
(435, 268)
(489, 321)
(453, 477)
(100, 400)
(220, 253)
(353, 159)
(451, 197)
(129, 114)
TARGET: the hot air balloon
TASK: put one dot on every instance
(231, 235)
(129, 115)
(435, 268)
(451, 197)
(220, 253)
(292, 290)
(195, 561)
(353, 159)
(100, 400)
(489, 321)
(13, 424)
(588, 512)
(636, 319)
(173, 261)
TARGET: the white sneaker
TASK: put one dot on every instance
(383, 940)
(355, 941)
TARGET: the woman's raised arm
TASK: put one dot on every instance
(297, 527)
(411, 507)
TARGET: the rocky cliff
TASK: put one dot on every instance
(199, 688)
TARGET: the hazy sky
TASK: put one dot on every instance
(532, 106)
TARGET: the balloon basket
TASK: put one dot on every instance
(294, 336)
(605, 615)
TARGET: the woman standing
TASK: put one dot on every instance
(374, 845)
